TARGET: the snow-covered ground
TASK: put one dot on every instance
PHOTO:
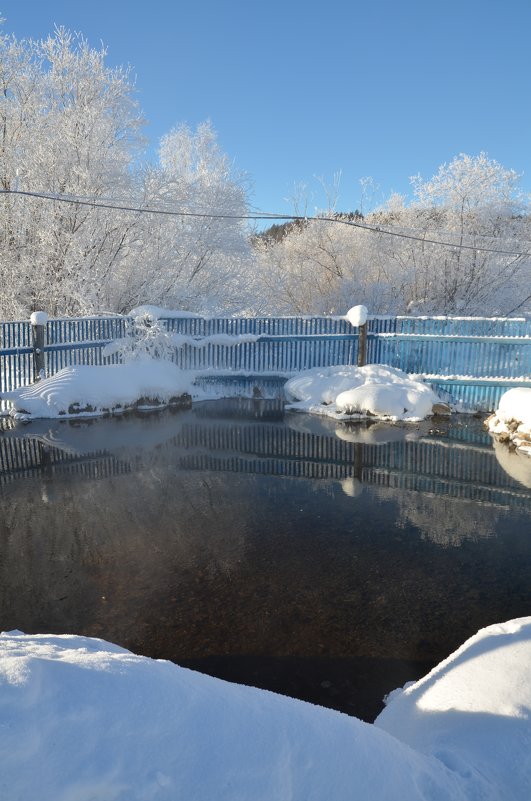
(512, 419)
(374, 390)
(84, 720)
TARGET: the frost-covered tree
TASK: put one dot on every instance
(316, 268)
(474, 203)
(458, 248)
(70, 126)
(197, 259)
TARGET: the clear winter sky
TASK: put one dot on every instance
(300, 89)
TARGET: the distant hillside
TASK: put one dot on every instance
(278, 232)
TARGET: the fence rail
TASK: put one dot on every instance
(471, 361)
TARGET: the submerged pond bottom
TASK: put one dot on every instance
(330, 563)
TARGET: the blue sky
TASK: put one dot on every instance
(299, 90)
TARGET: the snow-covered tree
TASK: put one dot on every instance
(458, 248)
(71, 127)
(474, 203)
(197, 259)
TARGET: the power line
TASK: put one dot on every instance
(261, 216)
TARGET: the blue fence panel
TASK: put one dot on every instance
(454, 346)
(16, 355)
(470, 360)
(81, 341)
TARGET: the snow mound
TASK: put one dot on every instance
(374, 390)
(90, 391)
(512, 419)
(39, 318)
(357, 315)
(473, 711)
(83, 720)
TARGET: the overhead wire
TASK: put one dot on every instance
(261, 216)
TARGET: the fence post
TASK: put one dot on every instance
(38, 322)
(357, 317)
(362, 345)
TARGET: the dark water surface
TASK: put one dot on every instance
(321, 561)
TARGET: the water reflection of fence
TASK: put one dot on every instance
(446, 467)
(28, 457)
(472, 359)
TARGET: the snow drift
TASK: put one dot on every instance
(84, 720)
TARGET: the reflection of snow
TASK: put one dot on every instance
(352, 487)
(515, 463)
(376, 434)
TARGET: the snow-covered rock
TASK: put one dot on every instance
(92, 391)
(374, 390)
(512, 419)
(84, 720)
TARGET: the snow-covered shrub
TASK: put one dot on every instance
(146, 338)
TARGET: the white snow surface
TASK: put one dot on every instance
(84, 720)
(357, 315)
(473, 711)
(345, 391)
(157, 312)
(515, 404)
(96, 390)
(513, 418)
(227, 340)
(39, 318)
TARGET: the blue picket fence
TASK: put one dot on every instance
(471, 361)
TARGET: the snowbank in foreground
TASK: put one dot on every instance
(85, 720)
(473, 711)
(346, 391)
(90, 391)
(512, 419)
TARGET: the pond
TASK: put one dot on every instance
(331, 563)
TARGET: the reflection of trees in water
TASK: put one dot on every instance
(446, 521)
